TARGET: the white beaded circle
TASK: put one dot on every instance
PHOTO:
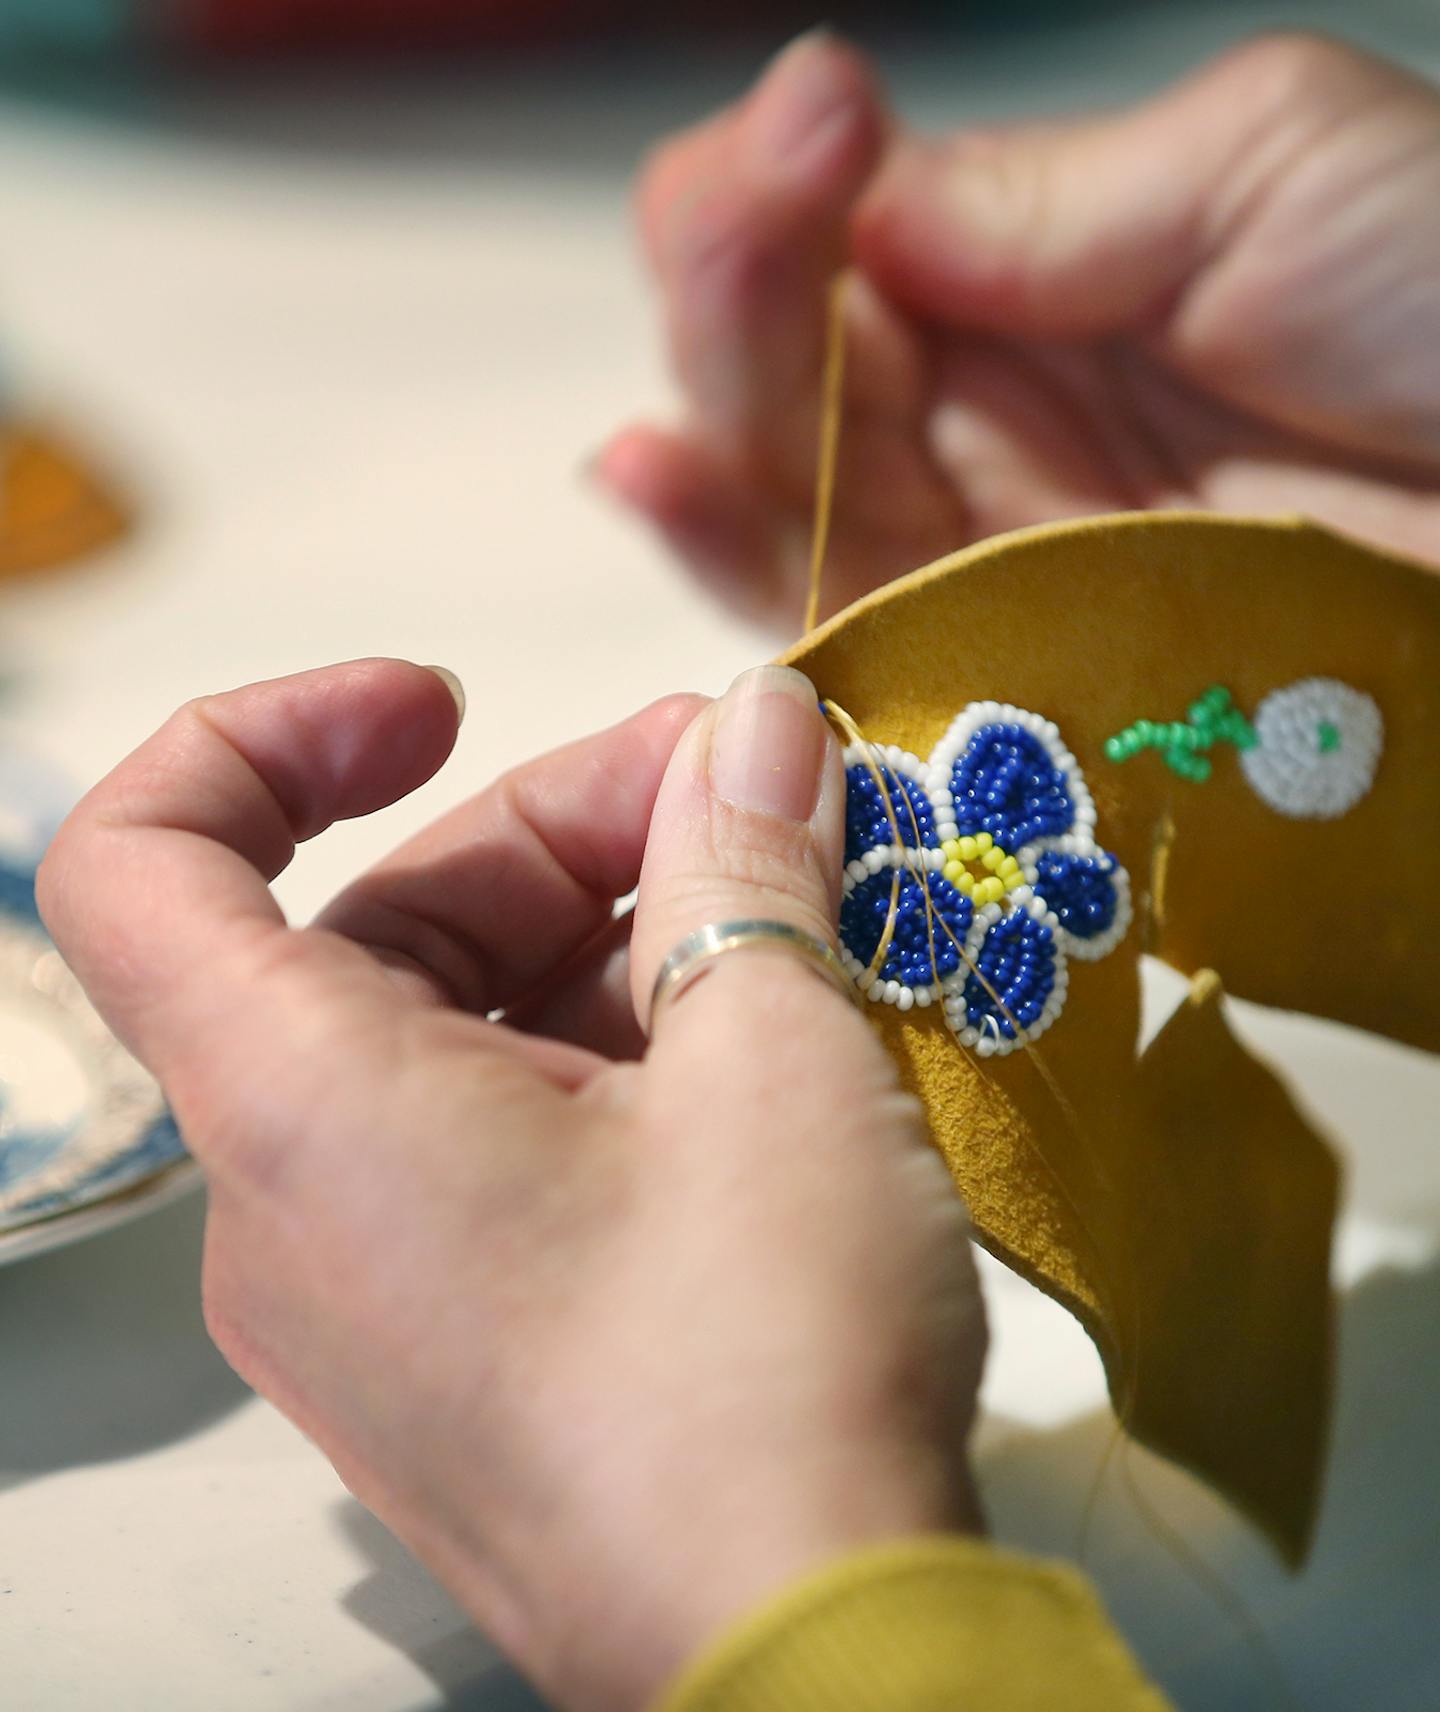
(1318, 743)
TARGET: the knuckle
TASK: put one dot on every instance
(1024, 182)
(658, 177)
(248, 1110)
(666, 187)
(212, 1105)
(397, 925)
(1287, 66)
(1027, 184)
(222, 1305)
(790, 1028)
(727, 251)
(190, 731)
(284, 960)
(222, 1321)
(766, 851)
(905, 1112)
(676, 712)
(746, 270)
(235, 1318)
(197, 709)
(1007, 186)
(751, 885)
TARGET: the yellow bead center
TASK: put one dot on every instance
(979, 869)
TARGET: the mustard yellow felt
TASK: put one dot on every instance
(1222, 1224)
(1179, 1204)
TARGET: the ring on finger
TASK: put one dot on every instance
(697, 953)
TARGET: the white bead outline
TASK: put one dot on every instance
(1098, 945)
(1289, 772)
(933, 776)
(997, 1045)
(899, 761)
(975, 717)
(917, 863)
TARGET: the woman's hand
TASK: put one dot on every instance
(1224, 298)
(619, 1347)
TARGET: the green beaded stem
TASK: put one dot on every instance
(1182, 742)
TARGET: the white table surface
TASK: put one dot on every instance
(352, 349)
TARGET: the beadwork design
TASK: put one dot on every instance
(1310, 752)
(911, 962)
(1090, 894)
(1023, 967)
(1182, 743)
(867, 822)
(1318, 744)
(1001, 770)
(997, 829)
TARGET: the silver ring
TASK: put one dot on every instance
(693, 956)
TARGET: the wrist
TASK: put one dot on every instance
(685, 1588)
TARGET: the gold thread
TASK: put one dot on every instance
(1160, 849)
(1092, 1495)
(1229, 1601)
(1209, 1580)
(854, 734)
(832, 410)
(1125, 1316)
(857, 737)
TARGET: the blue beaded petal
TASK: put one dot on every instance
(1017, 958)
(1080, 890)
(863, 913)
(1005, 783)
(866, 823)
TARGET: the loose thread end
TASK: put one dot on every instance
(832, 402)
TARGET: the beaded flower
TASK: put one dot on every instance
(983, 865)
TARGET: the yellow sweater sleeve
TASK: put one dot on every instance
(927, 1625)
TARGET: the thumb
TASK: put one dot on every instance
(1080, 229)
(748, 824)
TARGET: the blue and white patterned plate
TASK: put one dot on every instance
(85, 1137)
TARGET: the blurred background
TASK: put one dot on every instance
(311, 314)
(340, 295)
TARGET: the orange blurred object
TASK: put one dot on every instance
(53, 507)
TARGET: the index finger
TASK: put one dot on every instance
(156, 889)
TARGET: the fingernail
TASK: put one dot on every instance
(767, 746)
(803, 105)
(455, 687)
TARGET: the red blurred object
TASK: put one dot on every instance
(269, 26)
